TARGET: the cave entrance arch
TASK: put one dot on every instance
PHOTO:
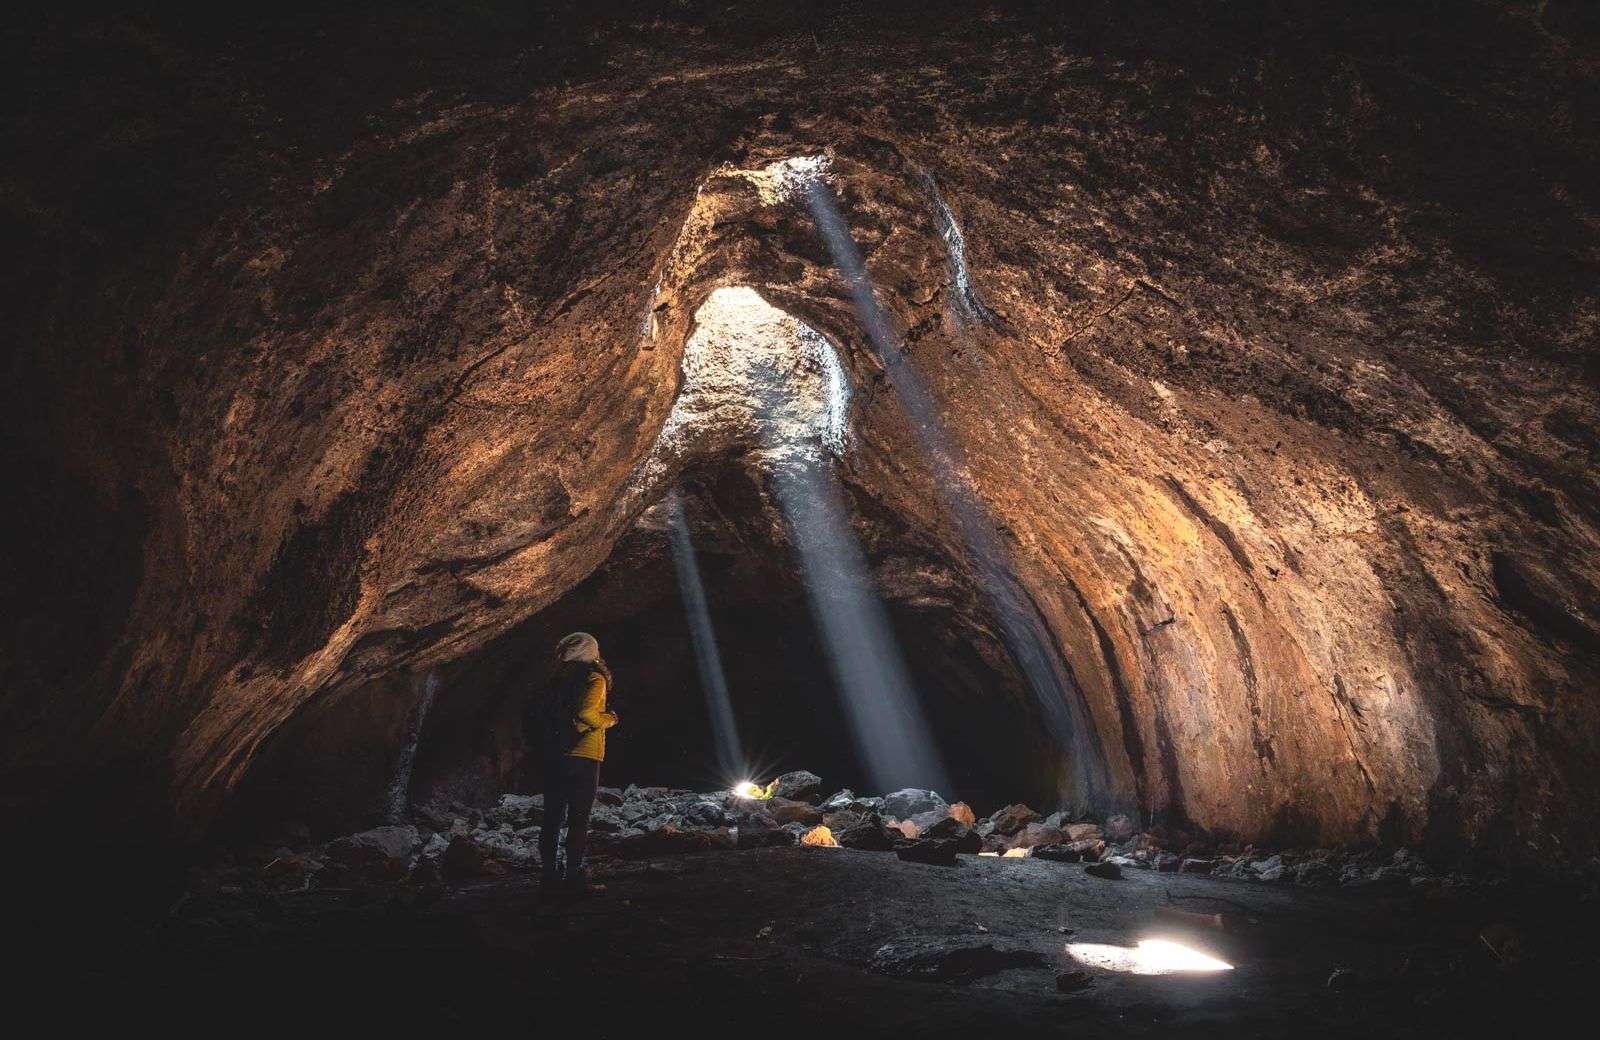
(763, 394)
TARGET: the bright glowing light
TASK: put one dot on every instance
(1150, 957)
(996, 855)
(749, 789)
(730, 756)
(1015, 854)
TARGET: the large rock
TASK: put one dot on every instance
(906, 803)
(383, 853)
(1081, 831)
(464, 858)
(799, 785)
(1012, 819)
(1037, 833)
(962, 813)
(783, 810)
(870, 835)
(1119, 828)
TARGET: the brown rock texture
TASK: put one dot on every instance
(342, 349)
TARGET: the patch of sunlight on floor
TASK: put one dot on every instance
(1149, 957)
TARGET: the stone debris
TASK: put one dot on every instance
(454, 842)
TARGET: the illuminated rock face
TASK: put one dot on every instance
(1287, 419)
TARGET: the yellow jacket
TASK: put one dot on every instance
(592, 721)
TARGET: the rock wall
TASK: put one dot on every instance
(342, 346)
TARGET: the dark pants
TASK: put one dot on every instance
(569, 786)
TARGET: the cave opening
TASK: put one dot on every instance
(787, 705)
(849, 643)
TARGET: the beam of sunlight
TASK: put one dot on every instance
(759, 382)
(1149, 957)
(886, 720)
(399, 794)
(1061, 703)
(730, 756)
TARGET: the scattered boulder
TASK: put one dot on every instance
(799, 785)
(1197, 866)
(948, 827)
(952, 960)
(940, 852)
(840, 802)
(1082, 831)
(704, 814)
(1012, 819)
(1165, 862)
(1088, 849)
(962, 813)
(870, 835)
(381, 854)
(463, 858)
(1057, 853)
(922, 821)
(1037, 833)
(1119, 828)
(841, 820)
(783, 810)
(1108, 871)
(906, 803)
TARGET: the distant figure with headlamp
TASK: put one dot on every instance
(569, 719)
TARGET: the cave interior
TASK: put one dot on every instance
(1124, 474)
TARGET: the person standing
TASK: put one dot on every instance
(571, 719)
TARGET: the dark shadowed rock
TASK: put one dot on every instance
(1109, 871)
(381, 854)
(783, 810)
(952, 960)
(756, 838)
(799, 785)
(1057, 853)
(870, 835)
(463, 859)
(671, 841)
(841, 820)
(940, 852)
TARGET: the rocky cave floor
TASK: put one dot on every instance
(714, 909)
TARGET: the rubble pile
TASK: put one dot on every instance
(457, 842)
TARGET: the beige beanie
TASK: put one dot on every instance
(579, 646)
